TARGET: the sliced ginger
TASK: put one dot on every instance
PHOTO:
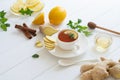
(38, 44)
(49, 42)
(39, 19)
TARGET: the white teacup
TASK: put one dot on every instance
(67, 39)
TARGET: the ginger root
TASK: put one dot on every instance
(115, 71)
(100, 70)
(86, 67)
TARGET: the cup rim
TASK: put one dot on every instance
(104, 34)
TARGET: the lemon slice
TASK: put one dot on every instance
(17, 6)
(37, 7)
(20, 2)
(39, 19)
(32, 3)
(72, 32)
(15, 9)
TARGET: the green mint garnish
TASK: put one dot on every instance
(26, 11)
(3, 20)
(80, 28)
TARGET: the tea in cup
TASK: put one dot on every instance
(67, 39)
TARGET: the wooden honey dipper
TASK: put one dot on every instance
(92, 25)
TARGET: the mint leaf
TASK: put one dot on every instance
(3, 26)
(35, 55)
(2, 14)
(29, 12)
(71, 35)
(3, 19)
(26, 11)
(87, 33)
(22, 11)
(7, 25)
(79, 21)
(80, 28)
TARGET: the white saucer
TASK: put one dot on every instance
(80, 49)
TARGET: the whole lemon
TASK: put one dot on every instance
(57, 15)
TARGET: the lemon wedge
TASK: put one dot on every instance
(39, 19)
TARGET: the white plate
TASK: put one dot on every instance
(80, 49)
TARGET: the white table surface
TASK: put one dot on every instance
(16, 50)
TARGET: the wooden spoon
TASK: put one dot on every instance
(92, 25)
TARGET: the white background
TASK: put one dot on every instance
(16, 50)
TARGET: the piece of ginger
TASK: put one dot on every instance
(97, 71)
(115, 71)
(48, 30)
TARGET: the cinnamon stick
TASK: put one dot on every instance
(33, 32)
(28, 29)
(26, 33)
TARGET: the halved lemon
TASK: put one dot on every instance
(39, 19)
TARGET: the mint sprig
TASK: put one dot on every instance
(80, 28)
(3, 20)
(26, 11)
